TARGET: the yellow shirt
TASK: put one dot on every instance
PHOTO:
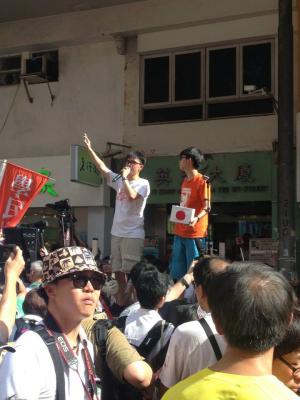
(211, 385)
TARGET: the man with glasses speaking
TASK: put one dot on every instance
(127, 233)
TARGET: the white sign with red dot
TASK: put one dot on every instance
(182, 215)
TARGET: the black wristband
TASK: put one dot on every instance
(184, 282)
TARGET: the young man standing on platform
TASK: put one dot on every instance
(127, 232)
(189, 240)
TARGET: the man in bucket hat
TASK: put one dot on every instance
(71, 288)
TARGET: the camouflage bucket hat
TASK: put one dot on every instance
(67, 260)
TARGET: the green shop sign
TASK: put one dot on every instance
(246, 176)
(83, 168)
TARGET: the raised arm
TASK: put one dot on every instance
(8, 303)
(100, 164)
(179, 287)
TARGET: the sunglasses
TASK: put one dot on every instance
(133, 162)
(80, 281)
(291, 367)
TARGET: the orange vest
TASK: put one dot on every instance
(194, 194)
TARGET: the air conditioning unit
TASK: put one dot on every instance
(40, 69)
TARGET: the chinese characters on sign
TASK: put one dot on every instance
(49, 186)
(233, 177)
(88, 166)
(83, 169)
(215, 175)
(20, 188)
(244, 173)
(163, 177)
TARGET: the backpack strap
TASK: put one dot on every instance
(108, 385)
(211, 337)
(120, 323)
(58, 366)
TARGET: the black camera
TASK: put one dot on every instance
(64, 211)
(60, 206)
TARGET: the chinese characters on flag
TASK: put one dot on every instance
(18, 187)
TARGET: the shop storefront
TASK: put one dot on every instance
(243, 201)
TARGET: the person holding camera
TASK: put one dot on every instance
(13, 268)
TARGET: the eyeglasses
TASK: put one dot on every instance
(291, 367)
(80, 281)
(133, 162)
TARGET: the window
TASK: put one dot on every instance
(172, 89)
(257, 66)
(214, 82)
(157, 80)
(222, 67)
(10, 70)
(187, 76)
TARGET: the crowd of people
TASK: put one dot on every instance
(130, 330)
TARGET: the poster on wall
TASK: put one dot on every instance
(264, 250)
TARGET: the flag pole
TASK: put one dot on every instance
(5, 162)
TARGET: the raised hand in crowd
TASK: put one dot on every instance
(12, 270)
(43, 251)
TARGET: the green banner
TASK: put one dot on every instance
(246, 176)
(83, 168)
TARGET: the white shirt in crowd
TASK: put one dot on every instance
(29, 372)
(189, 351)
(139, 322)
(129, 215)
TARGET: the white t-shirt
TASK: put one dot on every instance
(139, 322)
(189, 351)
(29, 372)
(129, 214)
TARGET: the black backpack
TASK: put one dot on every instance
(111, 388)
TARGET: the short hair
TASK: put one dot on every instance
(253, 305)
(186, 313)
(37, 266)
(194, 154)
(34, 303)
(137, 269)
(206, 268)
(291, 341)
(136, 154)
(150, 287)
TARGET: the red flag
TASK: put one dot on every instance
(18, 187)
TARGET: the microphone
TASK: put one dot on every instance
(117, 177)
